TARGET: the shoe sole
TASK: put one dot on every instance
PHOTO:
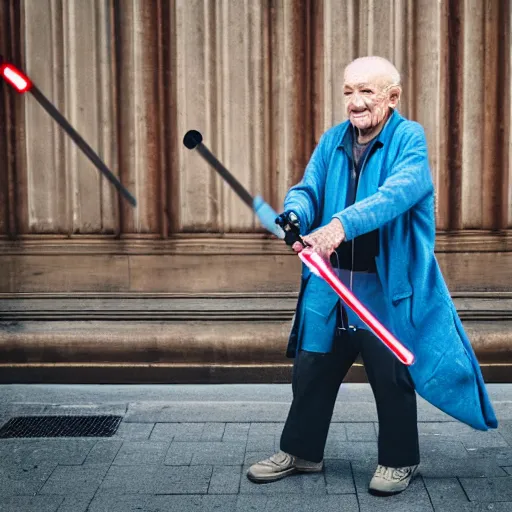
(278, 476)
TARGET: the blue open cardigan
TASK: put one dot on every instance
(396, 196)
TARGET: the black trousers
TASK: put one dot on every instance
(316, 381)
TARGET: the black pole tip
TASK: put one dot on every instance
(192, 139)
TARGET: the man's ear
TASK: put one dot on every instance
(394, 93)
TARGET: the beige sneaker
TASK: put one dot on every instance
(388, 481)
(280, 465)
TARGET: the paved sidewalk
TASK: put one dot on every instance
(187, 448)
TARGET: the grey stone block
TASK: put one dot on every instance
(442, 447)
(265, 429)
(445, 490)
(351, 450)
(448, 429)
(502, 456)
(355, 412)
(134, 431)
(360, 432)
(208, 412)
(225, 480)
(76, 503)
(212, 453)
(508, 469)
(141, 452)
(51, 451)
(505, 429)
(104, 451)
(455, 506)
(23, 478)
(30, 503)
(268, 444)
(147, 503)
(213, 431)
(164, 432)
(68, 480)
(153, 479)
(181, 480)
(338, 477)
(294, 503)
(299, 483)
(478, 439)
(488, 489)
(338, 431)
(180, 454)
(129, 479)
(470, 467)
(189, 431)
(236, 432)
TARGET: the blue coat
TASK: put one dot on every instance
(396, 196)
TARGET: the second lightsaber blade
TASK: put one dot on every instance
(319, 267)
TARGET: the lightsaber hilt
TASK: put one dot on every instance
(194, 140)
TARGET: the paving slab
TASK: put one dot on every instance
(488, 489)
(360, 432)
(141, 452)
(24, 479)
(351, 450)
(55, 450)
(70, 480)
(442, 490)
(294, 503)
(225, 480)
(157, 480)
(150, 503)
(208, 452)
(134, 431)
(104, 451)
(76, 503)
(442, 467)
(338, 477)
(474, 507)
(30, 503)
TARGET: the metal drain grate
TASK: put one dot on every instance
(60, 426)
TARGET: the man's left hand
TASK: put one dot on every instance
(325, 239)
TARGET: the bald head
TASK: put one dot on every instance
(372, 90)
(377, 69)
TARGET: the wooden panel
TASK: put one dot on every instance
(64, 191)
(506, 91)
(66, 273)
(222, 91)
(477, 271)
(88, 82)
(139, 153)
(214, 273)
(430, 95)
(45, 198)
(291, 110)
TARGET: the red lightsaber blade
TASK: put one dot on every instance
(319, 267)
(22, 84)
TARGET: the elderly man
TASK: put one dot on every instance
(366, 202)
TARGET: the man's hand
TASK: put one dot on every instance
(324, 240)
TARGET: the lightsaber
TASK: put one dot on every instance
(318, 266)
(194, 140)
(22, 84)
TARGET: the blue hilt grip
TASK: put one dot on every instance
(267, 216)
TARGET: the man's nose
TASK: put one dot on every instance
(357, 100)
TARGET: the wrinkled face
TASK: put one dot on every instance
(368, 96)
